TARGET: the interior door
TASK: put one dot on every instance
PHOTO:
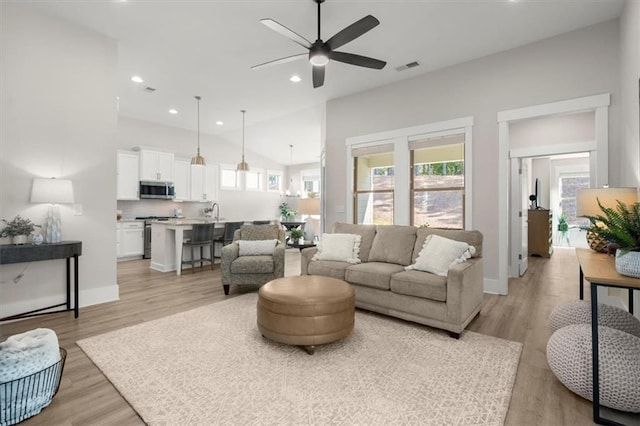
(518, 217)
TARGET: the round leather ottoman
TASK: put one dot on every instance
(306, 310)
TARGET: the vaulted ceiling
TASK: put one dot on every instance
(183, 48)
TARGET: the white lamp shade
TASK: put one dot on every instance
(587, 199)
(54, 191)
(309, 206)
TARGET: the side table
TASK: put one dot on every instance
(301, 246)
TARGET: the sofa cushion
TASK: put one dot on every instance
(372, 274)
(339, 247)
(252, 265)
(259, 232)
(256, 247)
(393, 244)
(367, 232)
(473, 238)
(420, 284)
(439, 254)
(328, 268)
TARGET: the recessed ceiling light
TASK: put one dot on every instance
(173, 111)
(137, 79)
(219, 123)
(295, 78)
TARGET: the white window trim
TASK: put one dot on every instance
(261, 180)
(230, 167)
(280, 173)
(400, 138)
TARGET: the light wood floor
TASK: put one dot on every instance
(86, 397)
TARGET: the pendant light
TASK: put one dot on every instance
(288, 191)
(243, 166)
(198, 160)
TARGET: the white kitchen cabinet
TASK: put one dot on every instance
(204, 183)
(130, 239)
(118, 243)
(127, 175)
(211, 183)
(156, 166)
(182, 176)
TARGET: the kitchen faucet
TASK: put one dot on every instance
(210, 210)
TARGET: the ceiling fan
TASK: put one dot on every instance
(321, 52)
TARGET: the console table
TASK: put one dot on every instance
(599, 269)
(10, 253)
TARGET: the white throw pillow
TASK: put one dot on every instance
(438, 254)
(339, 247)
(256, 247)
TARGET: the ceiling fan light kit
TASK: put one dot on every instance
(321, 52)
(198, 160)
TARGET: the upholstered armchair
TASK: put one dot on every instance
(253, 269)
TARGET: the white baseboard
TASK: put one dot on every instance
(87, 297)
(493, 287)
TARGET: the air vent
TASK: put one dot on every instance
(149, 89)
(408, 66)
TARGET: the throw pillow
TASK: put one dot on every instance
(438, 254)
(339, 247)
(256, 247)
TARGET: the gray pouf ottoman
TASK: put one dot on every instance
(569, 356)
(579, 312)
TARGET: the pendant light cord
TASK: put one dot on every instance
(243, 111)
(198, 98)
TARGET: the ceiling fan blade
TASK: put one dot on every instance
(280, 61)
(353, 31)
(291, 35)
(361, 61)
(318, 76)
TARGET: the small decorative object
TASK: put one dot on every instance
(37, 239)
(563, 228)
(286, 213)
(621, 226)
(297, 235)
(18, 229)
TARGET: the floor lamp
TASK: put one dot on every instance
(53, 191)
(309, 206)
(587, 205)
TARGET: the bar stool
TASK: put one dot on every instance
(201, 236)
(227, 236)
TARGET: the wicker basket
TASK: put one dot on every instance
(628, 263)
(25, 397)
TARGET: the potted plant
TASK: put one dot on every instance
(297, 235)
(286, 213)
(563, 228)
(18, 229)
(620, 227)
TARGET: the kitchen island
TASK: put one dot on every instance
(166, 241)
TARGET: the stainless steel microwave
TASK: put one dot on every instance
(157, 190)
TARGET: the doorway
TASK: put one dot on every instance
(549, 144)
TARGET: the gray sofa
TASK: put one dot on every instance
(383, 285)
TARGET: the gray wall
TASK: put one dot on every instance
(576, 64)
(58, 119)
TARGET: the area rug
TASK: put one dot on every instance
(212, 366)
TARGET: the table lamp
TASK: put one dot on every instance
(587, 205)
(309, 206)
(53, 191)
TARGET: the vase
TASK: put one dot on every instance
(628, 263)
(19, 239)
(37, 239)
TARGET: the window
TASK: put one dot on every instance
(253, 180)
(437, 182)
(373, 185)
(274, 181)
(568, 188)
(310, 182)
(229, 178)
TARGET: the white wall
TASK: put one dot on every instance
(58, 118)
(554, 130)
(237, 205)
(572, 65)
(629, 167)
